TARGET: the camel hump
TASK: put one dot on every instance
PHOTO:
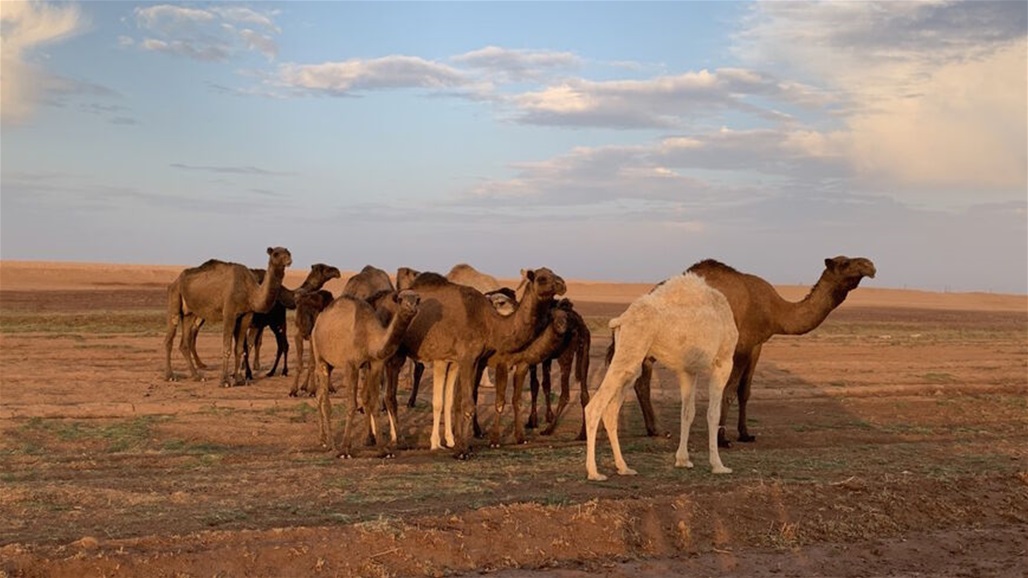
(429, 279)
(615, 323)
(710, 265)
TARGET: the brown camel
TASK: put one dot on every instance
(347, 335)
(367, 283)
(275, 319)
(541, 347)
(219, 290)
(457, 325)
(760, 313)
(309, 304)
(572, 355)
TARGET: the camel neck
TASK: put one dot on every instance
(804, 316)
(518, 330)
(390, 337)
(269, 288)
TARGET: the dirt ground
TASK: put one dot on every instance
(891, 441)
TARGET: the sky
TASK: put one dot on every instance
(618, 141)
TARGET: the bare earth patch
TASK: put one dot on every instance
(891, 442)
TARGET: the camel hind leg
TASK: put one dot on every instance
(688, 393)
(717, 380)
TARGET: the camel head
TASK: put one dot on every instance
(408, 302)
(847, 272)
(405, 278)
(559, 321)
(504, 300)
(280, 257)
(322, 273)
(545, 283)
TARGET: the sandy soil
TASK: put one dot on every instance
(891, 442)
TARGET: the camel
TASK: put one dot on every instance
(309, 304)
(275, 319)
(760, 313)
(219, 290)
(572, 354)
(347, 335)
(686, 325)
(457, 326)
(405, 277)
(541, 347)
(367, 283)
(465, 274)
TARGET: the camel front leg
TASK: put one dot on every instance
(533, 387)
(350, 382)
(565, 365)
(499, 404)
(438, 393)
(417, 371)
(462, 398)
(240, 347)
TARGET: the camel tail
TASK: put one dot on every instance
(582, 356)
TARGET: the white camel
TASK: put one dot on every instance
(687, 326)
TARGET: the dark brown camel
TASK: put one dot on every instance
(350, 334)
(572, 355)
(458, 325)
(309, 304)
(215, 291)
(761, 313)
(275, 319)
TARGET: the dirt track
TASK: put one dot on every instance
(891, 441)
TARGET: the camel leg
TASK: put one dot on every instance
(583, 382)
(499, 403)
(298, 340)
(196, 325)
(688, 393)
(744, 393)
(547, 383)
(281, 351)
(515, 399)
(716, 386)
(607, 396)
(350, 378)
(462, 398)
(533, 386)
(642, 392)
(240, 346)
(369, 400)
(565, 364)
(255, 336)
(169, 339)
(610, 423)
(392, 376)
(321, 380)
(189, 336)
(739, 362)
(417, 371)
(438, 393)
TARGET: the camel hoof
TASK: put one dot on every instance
(724, 443)
(294, 394)
(721, 470)
(285, 373)
(597, 477)
(494, 445)
(462, 456)
(747, 438)
(685, 464)
(547, 432)
(628, 472)
(531, 423)
(344, 456)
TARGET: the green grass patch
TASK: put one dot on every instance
(112, 436)
(134, 322)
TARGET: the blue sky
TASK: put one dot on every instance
(607, 140)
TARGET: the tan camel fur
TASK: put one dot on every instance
(405, 277)
(367, 283)
(458, 325)
(224, 291)
(761, 313)
(347, 335)
(687, 326)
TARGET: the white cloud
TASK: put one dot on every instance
(663, 102)
(26, 27)
(389, 72)
(936, 93)
(504, 65)
(217, 33)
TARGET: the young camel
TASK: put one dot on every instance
(457, 325)
(686, 325)
(275, 319)
(572, 355)
(350, 334)
(309, 304)
(219, 290)
(540, 348)
(760, 313)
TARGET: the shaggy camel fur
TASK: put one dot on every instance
(458, 326)
(219, 290)
(347, 335)
(687, 326)
(761, 313)
(540, 348)
(275, 319)
(572, 354)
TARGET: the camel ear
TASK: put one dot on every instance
(529, 274)
(270, 250)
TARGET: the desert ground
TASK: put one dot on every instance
(891, 441)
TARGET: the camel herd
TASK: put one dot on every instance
(707, 326)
